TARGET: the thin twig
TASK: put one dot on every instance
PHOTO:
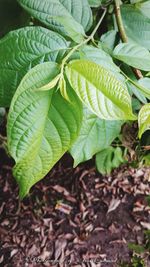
(75, 48)
(3, 138)
(123, 35)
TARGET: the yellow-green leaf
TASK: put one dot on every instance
(144, 119)
(100, 90)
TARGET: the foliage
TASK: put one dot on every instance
(108, 159)
(71, 83)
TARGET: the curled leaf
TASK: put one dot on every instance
(63, 89)
(50, 85)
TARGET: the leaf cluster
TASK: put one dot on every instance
(70, 85)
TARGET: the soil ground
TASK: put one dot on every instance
(73, 217)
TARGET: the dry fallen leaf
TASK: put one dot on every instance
(65, 208)
(145, 225)
(113, 204)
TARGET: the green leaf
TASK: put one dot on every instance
(41, 126)
(22, 49)
(48, 12)
(136, 248)
(135, 90)
(109, 40)
(133, 55)
(73, 28)
(144, 8)
(95, 3)
(144, 119)
(143, 86)
(145, 82)
(108, 159)
(100, 90)
(95, 135)
(98, 56)
(137, 26)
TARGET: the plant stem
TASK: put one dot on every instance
(123, 35)
(120, 22)
(3, 142)
(75, 48)
(143, 89)
(3, 138)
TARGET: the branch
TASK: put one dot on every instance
(123, 35)
(75, 48)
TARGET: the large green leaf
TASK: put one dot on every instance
(99, 56)
(41, 126)
(144, 119)
(22, 49)
(133, 55)
(144, 8)
(71, 12)
(108, 159)
(137, 26)
(100, 90)
(95, 135)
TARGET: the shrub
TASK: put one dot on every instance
(73, 81)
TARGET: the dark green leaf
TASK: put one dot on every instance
(108, 159)
(75, 11)
(22, 49)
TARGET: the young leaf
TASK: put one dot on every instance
(48, 12)
(41, 126)
(144, 119)
(137, 26)
(100, 90)
(50, 85)
(63, 88)
(108, 159)
(22, 49)
(133, 55)
(95, 135)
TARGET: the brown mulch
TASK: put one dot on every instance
(73, 217)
